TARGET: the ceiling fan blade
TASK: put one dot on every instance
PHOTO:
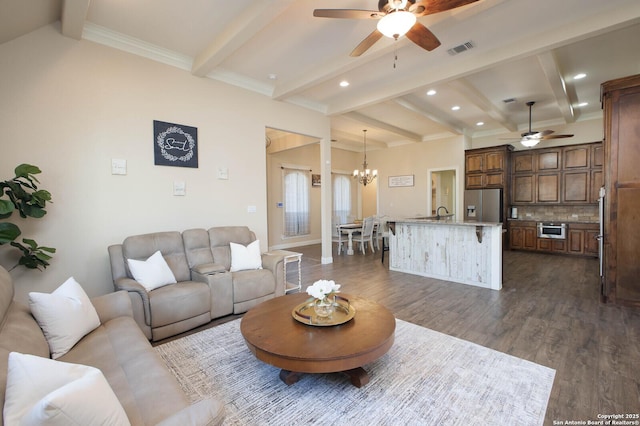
(347, 13)
(423, 37)
(556, 137)
(424, 7)
(365, 44)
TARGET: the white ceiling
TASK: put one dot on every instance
(523, 49)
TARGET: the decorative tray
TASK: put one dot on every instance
(306, 314)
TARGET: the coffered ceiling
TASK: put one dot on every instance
(521, 50)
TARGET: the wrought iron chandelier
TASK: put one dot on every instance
(365, 176)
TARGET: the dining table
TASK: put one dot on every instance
(350, 228)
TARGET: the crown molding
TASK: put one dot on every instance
(116, 40)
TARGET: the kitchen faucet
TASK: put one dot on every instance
(438, 211)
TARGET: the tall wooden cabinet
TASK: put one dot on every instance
(621, 104)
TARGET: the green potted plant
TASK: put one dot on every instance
(21, 194)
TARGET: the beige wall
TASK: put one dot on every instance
(415, 159)
(71, 106)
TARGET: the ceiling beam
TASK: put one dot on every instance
(473, 95)
(383, 126)
(243, 28)
(430, 114)
(355, 142)
(74, 14)
(330, 70)
(556, 81)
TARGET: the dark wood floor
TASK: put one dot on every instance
(548, 312)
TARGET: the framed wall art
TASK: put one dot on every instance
(397, 181)
(315, 180)
(175, 144)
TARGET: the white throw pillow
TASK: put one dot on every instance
(153, 272)
(65, 316)
(248, 257)
(41, 391)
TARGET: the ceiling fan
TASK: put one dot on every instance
(396, 18)
(532, 138)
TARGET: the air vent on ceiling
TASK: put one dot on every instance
(509, 100)
(461, 48)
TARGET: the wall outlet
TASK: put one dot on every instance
(251, 209)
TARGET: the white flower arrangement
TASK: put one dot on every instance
(323, 288)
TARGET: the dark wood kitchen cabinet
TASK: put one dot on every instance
(576, 186)
(487, 167)
(524, 189)
(582, 173)
(523, 235)
(549, 159)
(621, 104)
(564, 175)
(552, 245)
(548, 188)
(581, 239)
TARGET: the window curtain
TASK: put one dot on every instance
(341, 197)
(296, 201)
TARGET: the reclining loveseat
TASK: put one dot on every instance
(206, 287)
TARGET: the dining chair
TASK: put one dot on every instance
(366, 236)
(378, 225)
(337, 236)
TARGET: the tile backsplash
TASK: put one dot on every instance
(564, 213)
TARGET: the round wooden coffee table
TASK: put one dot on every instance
(275, 337)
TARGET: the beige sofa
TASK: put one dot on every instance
(206, 288)
(145, 388)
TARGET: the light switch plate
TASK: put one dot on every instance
(251, 209)
(118, 166)
(179, 188)
(223, 173)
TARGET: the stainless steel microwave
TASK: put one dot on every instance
(552, 230)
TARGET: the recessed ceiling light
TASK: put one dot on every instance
(582, 104)
(455, 108)
(480, 123)
(431, 92)
(344, 83)
(272, 77)
(579, 76)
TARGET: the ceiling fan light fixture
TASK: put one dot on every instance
(396, 24)
(530, 140)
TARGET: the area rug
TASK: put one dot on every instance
(426, 378)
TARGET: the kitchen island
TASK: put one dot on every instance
(463, 252)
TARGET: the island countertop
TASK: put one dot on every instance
(444, 222)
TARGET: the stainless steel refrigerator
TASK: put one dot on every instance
(483, 205)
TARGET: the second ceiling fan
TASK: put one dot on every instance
(531, 138)
(396, 18)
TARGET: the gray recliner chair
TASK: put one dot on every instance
(168, 310)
